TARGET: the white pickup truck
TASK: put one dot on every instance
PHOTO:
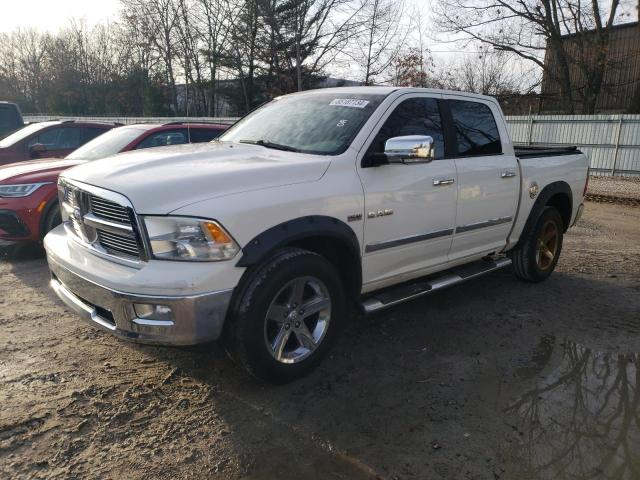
(370, 195)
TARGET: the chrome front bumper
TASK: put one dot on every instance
(194, 319)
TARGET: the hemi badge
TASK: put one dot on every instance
(354, 218)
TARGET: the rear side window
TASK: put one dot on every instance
(59, 138)
(199, 135)
(92, 132)
(164, 138)
(476, 129)
(415, 116)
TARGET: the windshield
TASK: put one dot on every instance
(108, 143)
(23, 133)
(321, 123)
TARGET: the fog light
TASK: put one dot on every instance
(149, 311)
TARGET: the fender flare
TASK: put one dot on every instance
(541, 202)
(295, 230)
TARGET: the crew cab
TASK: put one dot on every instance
(29, 205)
(54, 139)
(370, 195)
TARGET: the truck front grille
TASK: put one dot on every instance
(101, 223)
(118, 244)
(108, 210)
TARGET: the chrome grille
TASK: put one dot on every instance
(117, 244)
(101, 223)
(108, 210)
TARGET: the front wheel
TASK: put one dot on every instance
(286, 316)
(536, 256)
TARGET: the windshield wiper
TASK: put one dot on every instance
(268, 144)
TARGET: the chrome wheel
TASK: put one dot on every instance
(547, 246)
(297, 319)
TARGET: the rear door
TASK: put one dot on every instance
(410, 208)
(55, 142)
(488, 177)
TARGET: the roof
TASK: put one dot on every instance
(619, 26)
(385, 90)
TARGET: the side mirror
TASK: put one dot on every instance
(410, 149)
(36, 149)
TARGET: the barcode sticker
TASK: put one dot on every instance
(349, 102)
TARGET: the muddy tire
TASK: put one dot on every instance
(286, 316)
(537, 254)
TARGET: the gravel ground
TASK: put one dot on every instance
(625, 190)
(492, 379)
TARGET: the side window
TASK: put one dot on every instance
(59, 138)
(199, 135)
(476, 129)
(415, 116)
(164, 138)
(92, 132)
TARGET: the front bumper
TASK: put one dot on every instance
(11, 225)
(195, 319)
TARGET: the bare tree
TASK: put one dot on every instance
(531, 28)
(381, 39)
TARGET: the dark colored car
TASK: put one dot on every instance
(54, 139)
(28, 191)
(10, 118)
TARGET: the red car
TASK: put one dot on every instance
(28, 190)
(55, 139)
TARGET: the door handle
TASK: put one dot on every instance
(507, 174)
(438, 182)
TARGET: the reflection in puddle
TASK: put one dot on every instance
(583, 420)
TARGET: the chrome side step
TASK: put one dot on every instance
(396, 295)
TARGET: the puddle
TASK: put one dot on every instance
(582, 418)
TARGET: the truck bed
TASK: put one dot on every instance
(529, 151)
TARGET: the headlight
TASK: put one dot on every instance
(23, 190)
(184, 238)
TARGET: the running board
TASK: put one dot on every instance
(396, 295)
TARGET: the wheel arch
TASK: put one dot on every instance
(51, 205)
(327, 236)
(558, 195)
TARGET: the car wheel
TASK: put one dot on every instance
(535, 258)
(286, 316)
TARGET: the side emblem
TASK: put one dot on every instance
(380, 213)
(534, 190)
(354, 218)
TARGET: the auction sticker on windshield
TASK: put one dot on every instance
(349, 102)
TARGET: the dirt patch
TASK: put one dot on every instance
(492, 379)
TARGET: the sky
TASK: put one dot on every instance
(51, 15)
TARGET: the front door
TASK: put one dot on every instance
(410, 208)
(488, 179)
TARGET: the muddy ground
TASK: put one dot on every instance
(491, 379)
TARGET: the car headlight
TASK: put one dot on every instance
(22, 190)
(185, 238)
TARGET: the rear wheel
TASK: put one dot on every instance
(286, 316)
(535, 258)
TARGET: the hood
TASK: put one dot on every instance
(160, 180)
(34, 171)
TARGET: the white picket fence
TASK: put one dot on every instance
(611, 142)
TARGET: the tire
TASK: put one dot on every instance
(269, 332)
(536, 255)
(52, 219)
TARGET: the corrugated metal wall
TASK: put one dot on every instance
(611, 142)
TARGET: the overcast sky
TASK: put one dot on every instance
(53, 14)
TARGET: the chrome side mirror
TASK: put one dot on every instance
(410, 149)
